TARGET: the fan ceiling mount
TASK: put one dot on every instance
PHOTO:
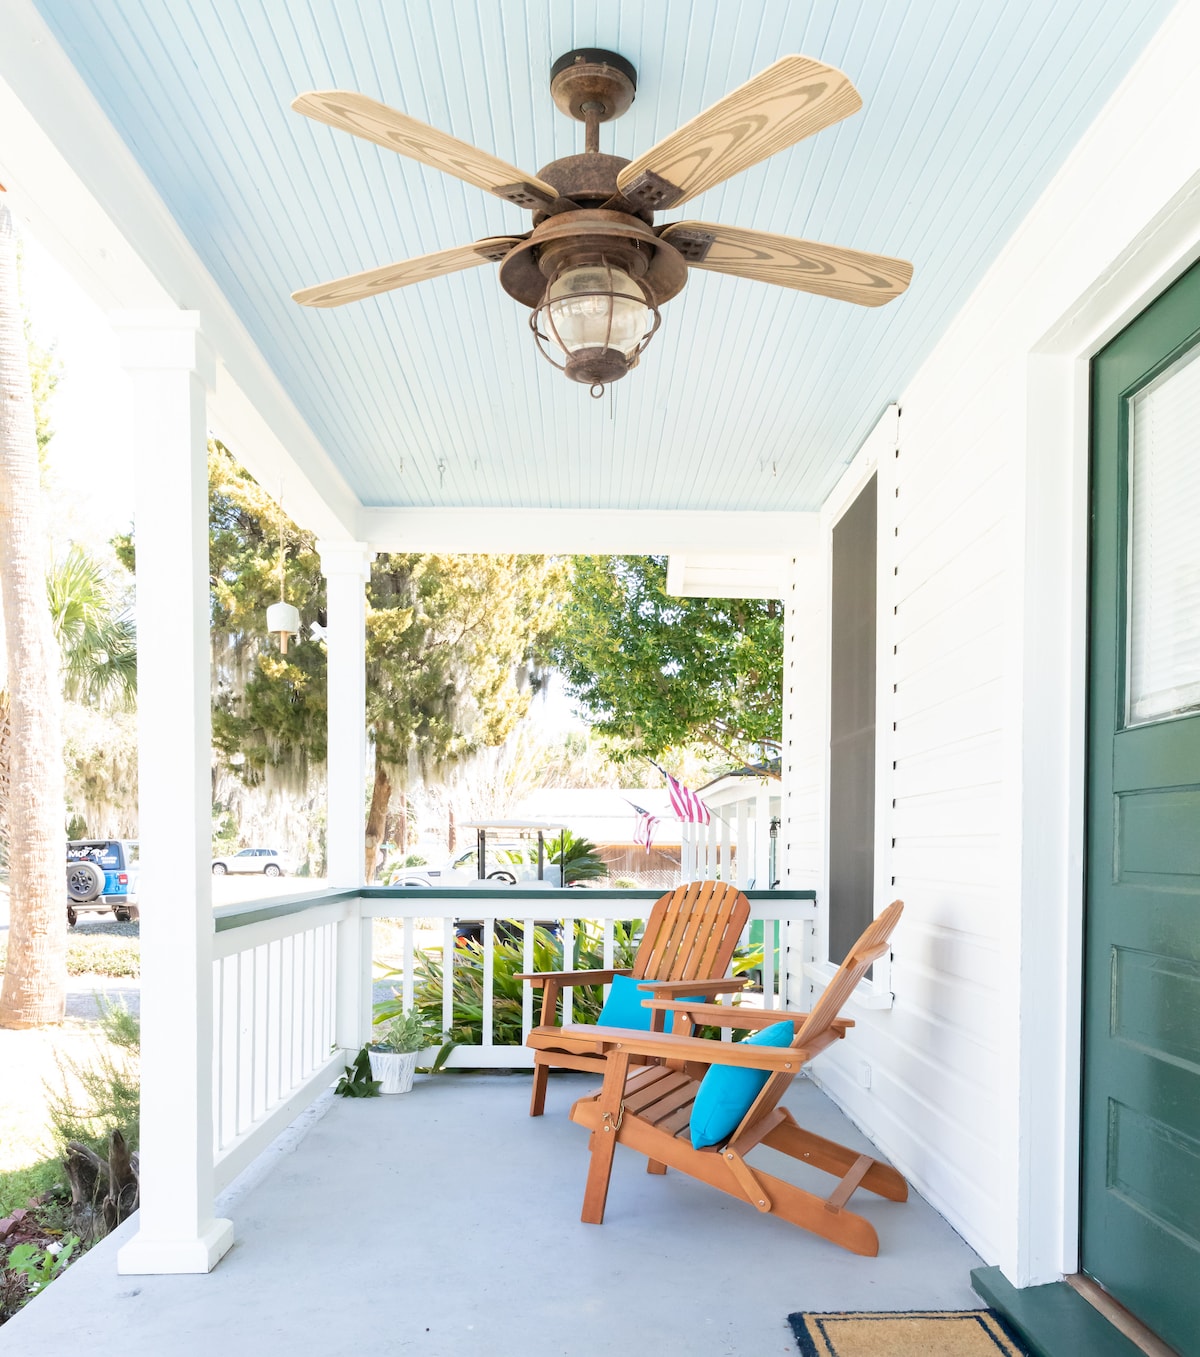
(595, 269)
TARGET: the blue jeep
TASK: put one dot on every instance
(102, 874)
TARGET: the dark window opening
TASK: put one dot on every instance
(852, 725)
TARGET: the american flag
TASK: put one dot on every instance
(643, 831)
(685, 803)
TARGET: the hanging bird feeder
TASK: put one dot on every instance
(283, 617)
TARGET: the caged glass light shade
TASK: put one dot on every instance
(599, 318)
(596, 306)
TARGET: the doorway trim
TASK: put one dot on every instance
(1047, 703)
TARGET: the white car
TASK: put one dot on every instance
(461, 870)
(268, 861)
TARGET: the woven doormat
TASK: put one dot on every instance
(916, 1333)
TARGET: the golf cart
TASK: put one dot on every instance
(511, 866)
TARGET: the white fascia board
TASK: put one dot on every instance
(75, 184)
(586, 532)
(705, 575)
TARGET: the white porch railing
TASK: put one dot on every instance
(274, 1008)
(429, 918)
(278, 976)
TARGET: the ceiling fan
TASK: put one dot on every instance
(595, 269)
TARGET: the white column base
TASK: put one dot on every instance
(144, 1256)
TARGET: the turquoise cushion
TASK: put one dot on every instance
(623, 1007)
(726, 1091)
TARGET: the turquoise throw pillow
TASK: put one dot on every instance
(726, 1091)
(623, 1007)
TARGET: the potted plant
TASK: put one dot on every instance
(398, 1042)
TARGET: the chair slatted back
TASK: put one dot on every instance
(692, 932)
(814, 1033)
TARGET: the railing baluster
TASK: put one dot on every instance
(310, 991)
(768, 968)
(218, 1054)
(568, 935)
(299, 951)
(229, 1045)
(331, 1005)
(527, 991)
(274, 1004)
(447, 973)
(408, 977)
(258, 1081)
(489, 979)
(318, 995)
(288, 1011)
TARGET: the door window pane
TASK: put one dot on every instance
(1164, 554)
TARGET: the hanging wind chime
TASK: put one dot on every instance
(283, 617)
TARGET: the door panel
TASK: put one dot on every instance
(1141, 1112)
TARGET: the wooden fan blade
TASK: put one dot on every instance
(777, 108)
(358, 286)
(388, 127)
(827, 270)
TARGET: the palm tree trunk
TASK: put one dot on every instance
(34, 991)
(381, 794)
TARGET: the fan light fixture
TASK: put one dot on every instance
(595, 269)
(599, 318)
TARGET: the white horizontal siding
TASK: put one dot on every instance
(948, 1096)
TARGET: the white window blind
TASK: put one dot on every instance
(1164, 550)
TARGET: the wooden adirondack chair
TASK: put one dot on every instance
(648, 1108)
(686, 950)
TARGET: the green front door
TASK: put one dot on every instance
(1141, 1111)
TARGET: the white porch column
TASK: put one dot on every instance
(762, 837)
(726, 872)
(347, 568)
(743, 845)
(172, 368)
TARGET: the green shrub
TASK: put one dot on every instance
(18, 1185)
(97, 954)
(102, 1095)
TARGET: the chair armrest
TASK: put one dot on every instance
(566, 979)
(698, 1049)
(730, 1015)
(664, 989)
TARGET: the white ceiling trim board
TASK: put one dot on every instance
(581, 532)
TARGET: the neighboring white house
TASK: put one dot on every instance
(1029, 1056)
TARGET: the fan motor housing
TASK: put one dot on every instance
(589, 179)
(586, 236)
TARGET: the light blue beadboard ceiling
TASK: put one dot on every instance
(750, 397)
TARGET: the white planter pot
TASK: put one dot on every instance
(393, 1069)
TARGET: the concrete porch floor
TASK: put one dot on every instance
(446, 1223)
